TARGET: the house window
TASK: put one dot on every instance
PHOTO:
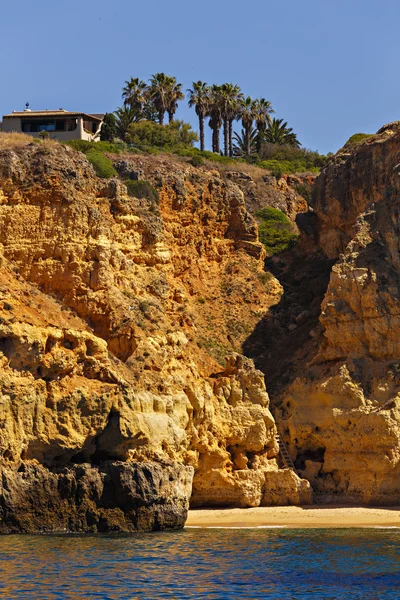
(48, 126)
(90, 126)
(71, 124)
(60, 125)
(38, 126)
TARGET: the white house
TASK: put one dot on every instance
(60, 124)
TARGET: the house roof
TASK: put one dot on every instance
(31, 114)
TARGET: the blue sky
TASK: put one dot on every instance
(330, 68)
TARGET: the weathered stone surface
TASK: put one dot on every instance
(115, 316)
(340, 415)
(357, 177)
(286, 192)
(286, 487)
(114, 496)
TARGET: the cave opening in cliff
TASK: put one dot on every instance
(314, 455)
(107, 442)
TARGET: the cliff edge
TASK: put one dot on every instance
(115, 314)
(339, 412)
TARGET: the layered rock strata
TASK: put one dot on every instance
(340, 412)
(113, 496)
(115, 315)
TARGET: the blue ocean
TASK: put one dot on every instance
(219, 564)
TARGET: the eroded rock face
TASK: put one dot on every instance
(114, 313)
(340, 415)
(114, 496)
(289, 193)
(239, 467)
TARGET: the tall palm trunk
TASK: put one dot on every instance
(161, 117)
(226, 136)
(215, 140)
(170, 116)
(260, 135)
(201, 127)
(230, 137)
(217, 146)
(247, 130)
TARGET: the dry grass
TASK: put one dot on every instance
(11, 140)
(242, 167)
(16, 140)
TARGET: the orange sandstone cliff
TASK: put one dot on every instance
(336, 387)
(116, 314)
(124, 391)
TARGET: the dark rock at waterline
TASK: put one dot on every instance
(114, 496)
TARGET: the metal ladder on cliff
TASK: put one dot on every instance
(285, 456)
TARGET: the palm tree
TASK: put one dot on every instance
(247, 115)
(262, 111)
(125, 116)
(234, 115)
(134, 93)
(149, 113)
(230, 97)
(278, 132)
(199, 97)
(159, 92)
(215, 114)
(175, 95)
(240, 145)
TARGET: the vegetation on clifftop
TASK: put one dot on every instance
(357, 138)
(174, 136)
(265, 141)
(275, 230)
(95, 154)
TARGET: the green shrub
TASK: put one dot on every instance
(112, 147)
(265, 277)
(150, 150)
(101, 164)
(109, 128)
(147, 134)
(142, 189)
(275, 230)
(197, 161)
(84, 146)
(357, 138)
(278, 167)
(277, 171)
(212, 156)
(290, 159)
(214, 348)
(80, 145)
(305, 190)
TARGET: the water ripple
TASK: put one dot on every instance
(196, 563)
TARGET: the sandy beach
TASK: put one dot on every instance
(296, 517)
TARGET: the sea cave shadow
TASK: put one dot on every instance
(285, 336)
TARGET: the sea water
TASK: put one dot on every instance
(204, 563)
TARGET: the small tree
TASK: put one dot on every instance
(247, 115)
(278, 132)
(149, 112)
(199, 97)
(240, 146)
(125, 116)
(44, 134)
(174, 136)
(108, 128)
